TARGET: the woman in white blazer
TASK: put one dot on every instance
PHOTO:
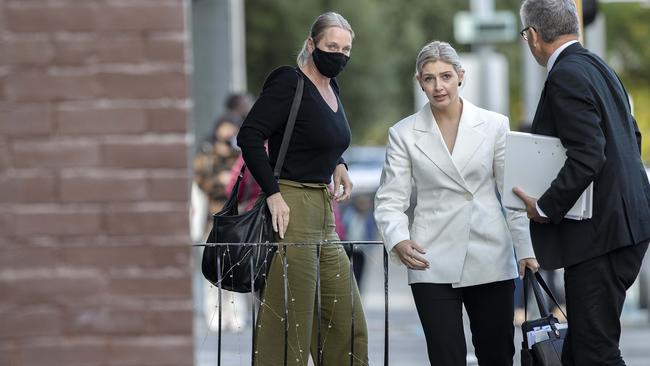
(459, 249)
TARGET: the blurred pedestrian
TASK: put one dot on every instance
(460, 249)
(213, 162)
(218, 152)
(360, 225)
(301, 204)
(237, 107)
(585, 105)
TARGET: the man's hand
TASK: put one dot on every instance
(531, 206)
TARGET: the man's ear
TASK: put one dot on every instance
(535, 37)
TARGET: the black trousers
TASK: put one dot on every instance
(490, 308)
(595, 293)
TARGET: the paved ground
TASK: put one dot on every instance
(407, 346)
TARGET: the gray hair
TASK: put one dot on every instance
(324, 21)
(438, 51)
(550, 18)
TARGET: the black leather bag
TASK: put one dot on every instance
(547, 352)
(243, 267)
(239, 267)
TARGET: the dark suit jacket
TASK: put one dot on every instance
(586, 106)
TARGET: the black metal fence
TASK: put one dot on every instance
(254, 300)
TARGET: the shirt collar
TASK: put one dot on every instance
(556, 53)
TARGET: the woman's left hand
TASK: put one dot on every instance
(530, 263)
(341, 177)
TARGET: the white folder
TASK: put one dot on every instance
(532, 163)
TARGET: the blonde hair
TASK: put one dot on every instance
(324, 21)
(438, 51)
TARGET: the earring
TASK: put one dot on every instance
(460, 83)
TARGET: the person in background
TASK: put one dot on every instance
(212, 165)
(585, 105)
(300, 204)
(360, 225)
(237, 107)
(460, 249)
(218, 152)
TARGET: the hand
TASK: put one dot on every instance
(530, 263)
(531, 207)
(409, 253)
(341, 177)
(279, 213)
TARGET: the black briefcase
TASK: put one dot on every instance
(548, 350)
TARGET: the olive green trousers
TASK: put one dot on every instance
(311, 220)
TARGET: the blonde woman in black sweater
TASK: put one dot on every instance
(301, 204)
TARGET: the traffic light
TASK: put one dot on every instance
(589, 11)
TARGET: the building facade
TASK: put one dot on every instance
(94, 239)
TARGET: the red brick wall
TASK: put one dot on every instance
(94, 255)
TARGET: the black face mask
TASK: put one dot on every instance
(329, 64)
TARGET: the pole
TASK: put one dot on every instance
(478, 8)
(581, 36)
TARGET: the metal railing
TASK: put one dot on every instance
(282, 246)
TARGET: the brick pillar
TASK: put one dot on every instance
(94, 255)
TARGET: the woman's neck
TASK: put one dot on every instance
(449, 114)
(314, 75)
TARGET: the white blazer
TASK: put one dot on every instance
(458, 218)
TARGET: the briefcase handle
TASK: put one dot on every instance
(535, 281)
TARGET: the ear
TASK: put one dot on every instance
(461, 76)
(535, 37)
(310, 45)
(417, 77)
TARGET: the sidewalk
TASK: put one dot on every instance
(406, 342)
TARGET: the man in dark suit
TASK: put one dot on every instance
(585, 105)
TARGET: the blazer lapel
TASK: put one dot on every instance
(538, 111)
(469, 138)
(431, 143)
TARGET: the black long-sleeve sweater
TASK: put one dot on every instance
(319, 137)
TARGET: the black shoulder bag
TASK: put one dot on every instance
(243, 267)
(547, 351)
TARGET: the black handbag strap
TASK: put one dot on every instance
(291, 121)
(535, 281)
